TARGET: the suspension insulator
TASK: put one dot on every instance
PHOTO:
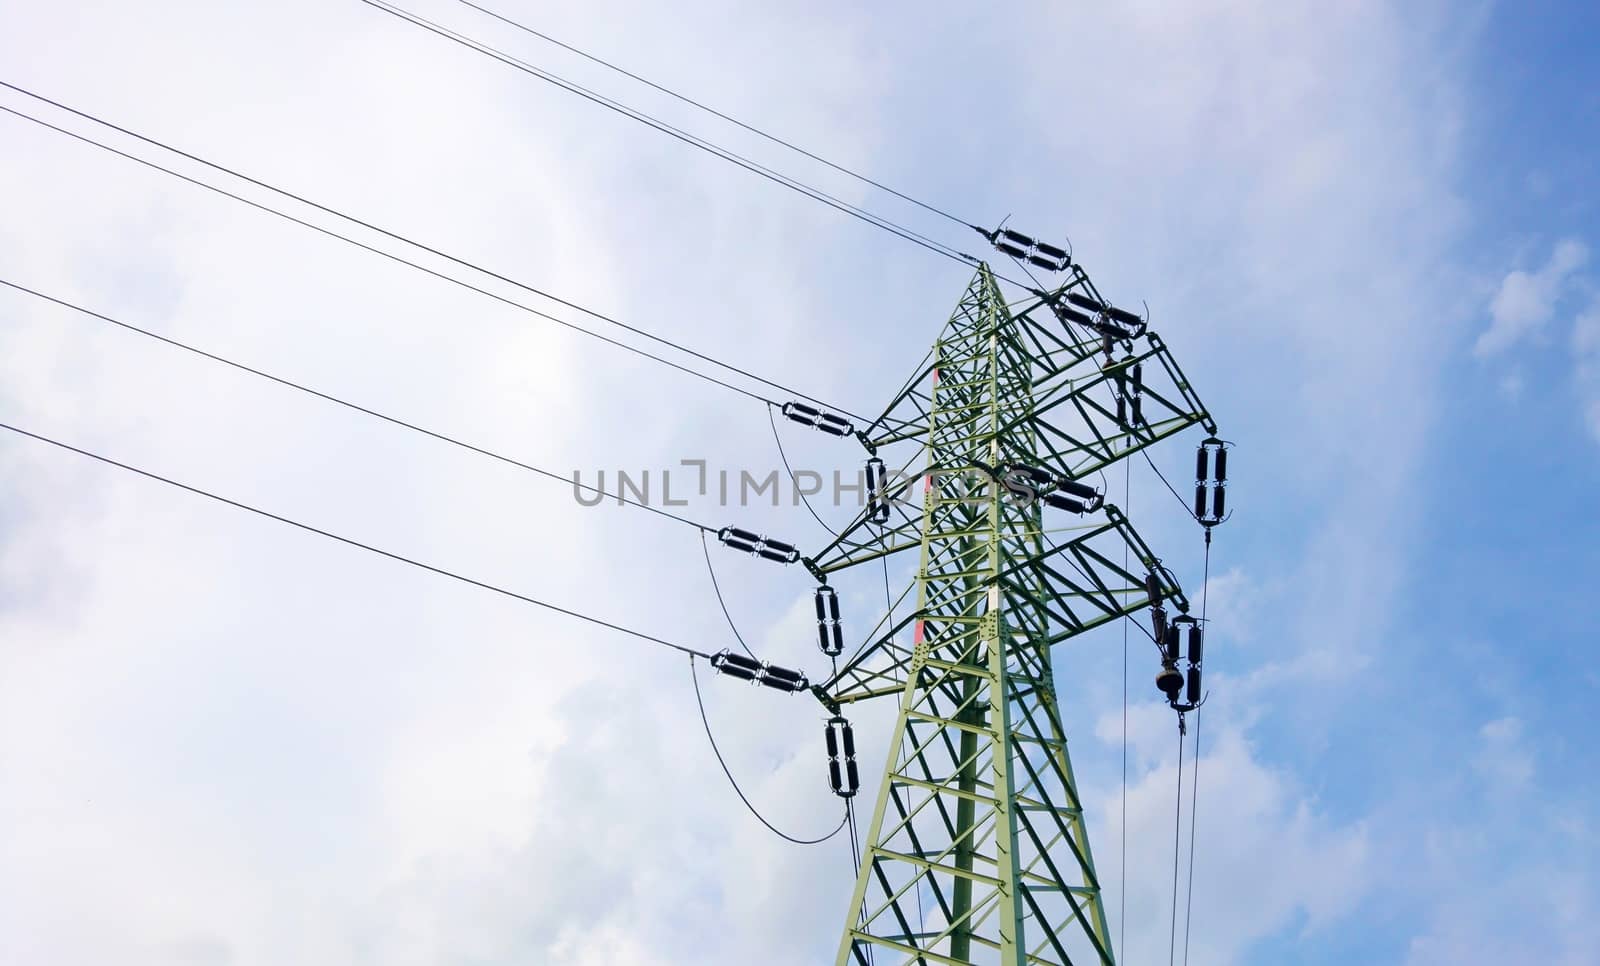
(807, 415)
(1194, 686)
(1201, 473)
(1017, 238)
(777, 550)
(1061, 501)
(1048, 264)
(1051, 251)
(1158, 623)
(1085, 302)
(1125, 317)
(877, 483)
(736, 665)
(1081, 490)
(835, 425)
(842, 752)
(783, 679)
(1152, 588)
(739, 539)
(1138, 410)
(1219, 502)
(1197, 645)
(1073, 315)
(1170, 681)
(1038, 477)
(1222, 465)
(1011, 250)
(1200, 499)
(830, 635)
(801, 412)
(1122, 410)
(1170, 643)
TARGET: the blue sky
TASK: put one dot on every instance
(1368, 232)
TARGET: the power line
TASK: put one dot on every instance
(793, 480)
(776, 177)
(694, 675)
(706, 549)
(442, 437)
(692, 652)
(420, 246)
(719, 114)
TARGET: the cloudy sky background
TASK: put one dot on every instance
(1368, 231)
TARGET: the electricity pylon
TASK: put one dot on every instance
(976, 850)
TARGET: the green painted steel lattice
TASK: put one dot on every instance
(976, 851)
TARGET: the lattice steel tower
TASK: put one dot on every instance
(976, 849)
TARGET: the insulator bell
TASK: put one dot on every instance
(1200, 499)
(1201, 474)
(1222, 465)
(1051, 251)
(1170, 645)
(1194, 686)
(1017, 238)
(1049, 265)
(1220, 503)
(1012, 250)
(1197, 645)
(1170, 681)
(1152, 588)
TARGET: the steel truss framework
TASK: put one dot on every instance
(976, 851)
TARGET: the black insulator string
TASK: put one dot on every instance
(718, 114)
(692, 652)
(592, 313)
(693, 140)
(453, 441)
(694, 675)
(792, 481)
(706, 548)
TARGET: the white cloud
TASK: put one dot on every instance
(1526, 300)
(229, 744)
